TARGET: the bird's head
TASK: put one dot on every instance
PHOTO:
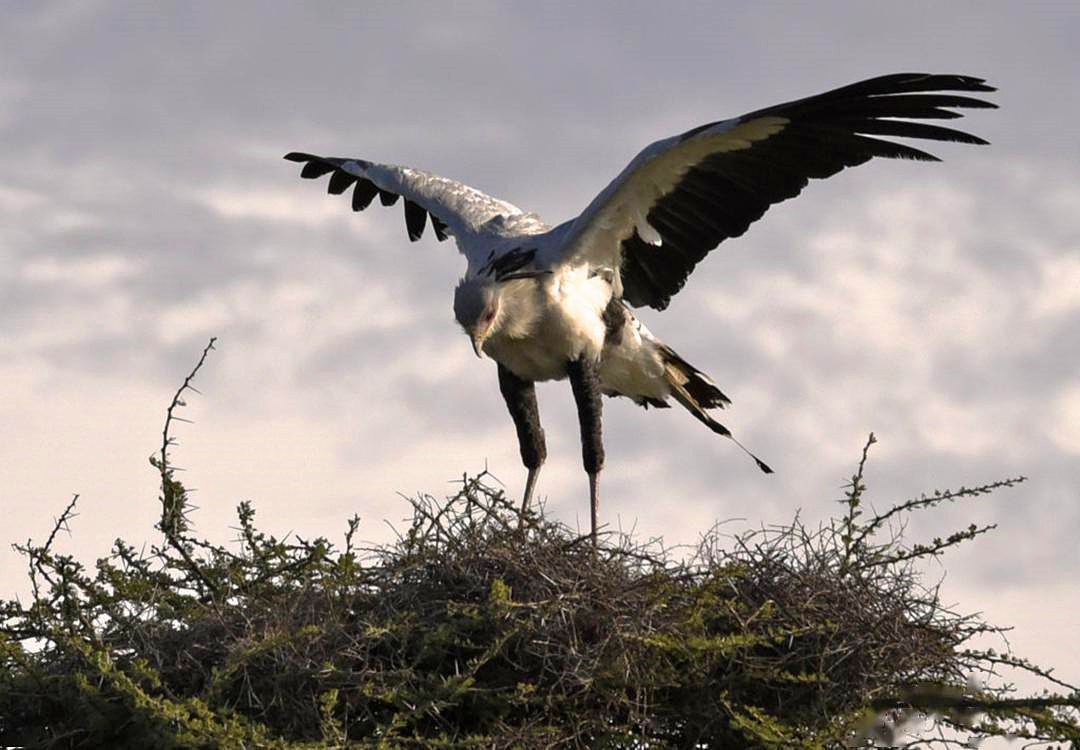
(476, 307)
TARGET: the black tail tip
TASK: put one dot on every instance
(717, 427)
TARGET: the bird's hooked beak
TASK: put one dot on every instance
(477, 343)
(478, 336)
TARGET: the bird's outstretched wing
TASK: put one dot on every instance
(471, 217)
(682, 196)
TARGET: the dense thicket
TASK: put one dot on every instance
(484, 627)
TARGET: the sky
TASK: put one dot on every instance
(145, 207)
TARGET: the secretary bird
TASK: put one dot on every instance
(551, 303)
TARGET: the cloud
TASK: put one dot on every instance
(268, 205)
(1064, 419)
(1059, 293)
(89, 273)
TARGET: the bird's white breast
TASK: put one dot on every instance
(550, 322)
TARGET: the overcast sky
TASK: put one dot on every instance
(144, 207)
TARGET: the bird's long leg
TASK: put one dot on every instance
(585, 381)
(594, 503)
(520, 396)
(530, 485)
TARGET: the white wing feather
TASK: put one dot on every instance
(620, 208)
(477, 221)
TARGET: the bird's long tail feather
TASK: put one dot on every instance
(697, 393)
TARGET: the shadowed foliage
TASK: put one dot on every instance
(484, 627)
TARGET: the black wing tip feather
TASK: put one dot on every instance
(824, 134)
(365, 191)
(896, 83)
(890, 105)
(439, 227)
(415, 220)
(904, 128)
(363, 194)
(340, 181)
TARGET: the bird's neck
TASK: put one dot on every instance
(520, 308)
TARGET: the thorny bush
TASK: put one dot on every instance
(482, 626)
